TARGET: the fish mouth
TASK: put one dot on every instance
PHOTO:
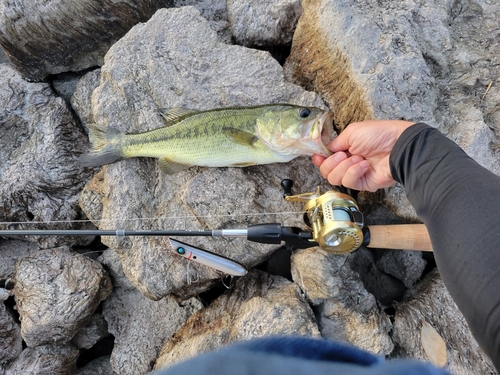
(325, 129)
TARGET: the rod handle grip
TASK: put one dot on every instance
(400, 236)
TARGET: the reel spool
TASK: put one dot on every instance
(334, 218)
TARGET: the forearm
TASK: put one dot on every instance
(459, 202)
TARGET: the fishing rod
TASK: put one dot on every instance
(334, 220)
(271, 233)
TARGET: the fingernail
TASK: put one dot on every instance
(364, 164)
(339, 156)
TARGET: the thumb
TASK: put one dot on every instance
(341, 142)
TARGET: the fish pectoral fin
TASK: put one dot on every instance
(241, 137)
(168, 166)
(174, 115)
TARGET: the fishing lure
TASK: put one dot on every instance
(207, 258)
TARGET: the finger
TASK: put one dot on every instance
(342, 141)
(336, 176)
(355, 176)
(318, 160)
(331, 163)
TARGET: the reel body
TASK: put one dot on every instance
(334, 218)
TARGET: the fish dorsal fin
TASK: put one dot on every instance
(168, 166)
(241, 137)
(176, 114)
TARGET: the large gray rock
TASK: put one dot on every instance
(408, 60)
(95, 330)
(111, 260)
(60, 36)
(429, 301)
(56, 293)
(261, 23)
(344, 309)
(39, 143)
(173, 68)
(406, 266)
(10, 333)
(385, 287)
(3, 57)
(99, 366)
(140, 326)
(10, 252)
(259, 305)
(81, 100)
(215, 12)
(45, 359)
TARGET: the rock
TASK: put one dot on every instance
(10, 334)
(260, 23)
(186, 69)
(46, 359)
(10, 252)
(3, 57)
(111, 261)
(386, 288)
(99, 366)
(433, 345)
(39, 178)
(430, 301)
(215, 12)
(95, 330)
(345, 310)
(62, 36)
(140, 327)
(405, 60)
(56, 293)
(81, 100)
(406, 266)
(259, 305)
(64, 84)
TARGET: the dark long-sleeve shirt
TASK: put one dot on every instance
(459, 202)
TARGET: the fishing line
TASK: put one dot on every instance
(159, 218)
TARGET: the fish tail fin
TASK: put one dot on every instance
(105, 148)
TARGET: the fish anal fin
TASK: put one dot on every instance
(168, 166)
(174, 115)
(241, 137)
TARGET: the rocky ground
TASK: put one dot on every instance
(129, 305)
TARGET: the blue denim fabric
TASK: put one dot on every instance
(292, 355)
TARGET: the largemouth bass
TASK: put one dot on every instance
(225, 137)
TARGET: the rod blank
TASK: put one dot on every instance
(98, 232)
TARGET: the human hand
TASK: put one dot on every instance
(361, 154)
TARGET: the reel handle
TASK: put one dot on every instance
(399, 236)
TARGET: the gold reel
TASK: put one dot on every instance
(334, 218)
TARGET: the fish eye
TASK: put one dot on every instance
(304, 112)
